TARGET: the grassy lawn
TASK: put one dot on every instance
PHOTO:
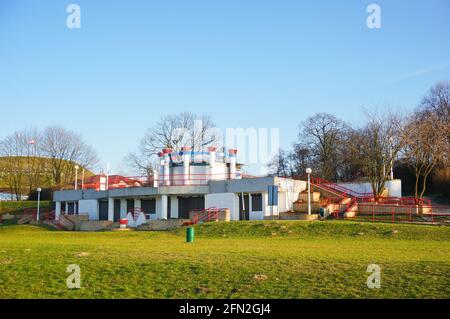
(229, 260)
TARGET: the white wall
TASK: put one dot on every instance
(219, 172)
(394, 187)
(224, 200)
(283, 202)
(90, 207)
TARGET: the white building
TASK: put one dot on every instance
(186, 181)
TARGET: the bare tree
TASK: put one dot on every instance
(174, 132)
(437, 101)
(20, 162)
(280, 165)
(300, 158)
(377, 146)
(13, 150)
(323, 134)
(427, 146)
(65, 149)
(350, 165)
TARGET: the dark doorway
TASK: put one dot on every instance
(187, 204)
(70, 208)
(103, 210)
(130, 206)
(148, 206)
(116, 210)
(244, 207)
(169, 208)
(257, 203)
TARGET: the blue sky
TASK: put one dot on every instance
(247, 63)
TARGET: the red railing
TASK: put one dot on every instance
(205, 215)
(162, 180)
(120, 182)
(44, 213)
(338, 189)
(384, 212)
(394, 200)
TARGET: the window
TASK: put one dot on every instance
(257, 205)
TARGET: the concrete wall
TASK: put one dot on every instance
(255, 185)
(224, 200)
(219, 171)
(394, 187)
(289, 190)
(89, 206)
(74, 195)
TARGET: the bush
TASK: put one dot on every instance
(441, 182)
(18, 207)
(46, 194)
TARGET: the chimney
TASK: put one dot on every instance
(212, 156)
(232, 160)
(186, 157)
(166, 176)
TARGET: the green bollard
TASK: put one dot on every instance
(189, 234)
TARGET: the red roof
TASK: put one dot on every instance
(114, 179)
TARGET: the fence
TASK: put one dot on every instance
(388, 212)
(44, 213)
(180, 179)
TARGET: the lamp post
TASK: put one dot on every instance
(82, 179)
(76, 176)
(392, 158)
(38, 203)
(309, 171)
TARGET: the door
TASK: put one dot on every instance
(187, 204)
(116, 210)
(103, 210)
(70, 208)
(130, 206)
(244, 207)
(148, 206)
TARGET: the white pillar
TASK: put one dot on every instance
(57, 210)
(309, 171)
(166, 152)
(111, 209)
(212, 156)
(232, 160)
(137, 203)
(155, 178)
(186, 164)
(164, 207)
(161, 168)
(123, 208)
(173, 206)
(66, 208)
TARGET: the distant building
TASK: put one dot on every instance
(185, 181)
(188, 181)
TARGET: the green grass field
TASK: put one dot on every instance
(229, 260)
